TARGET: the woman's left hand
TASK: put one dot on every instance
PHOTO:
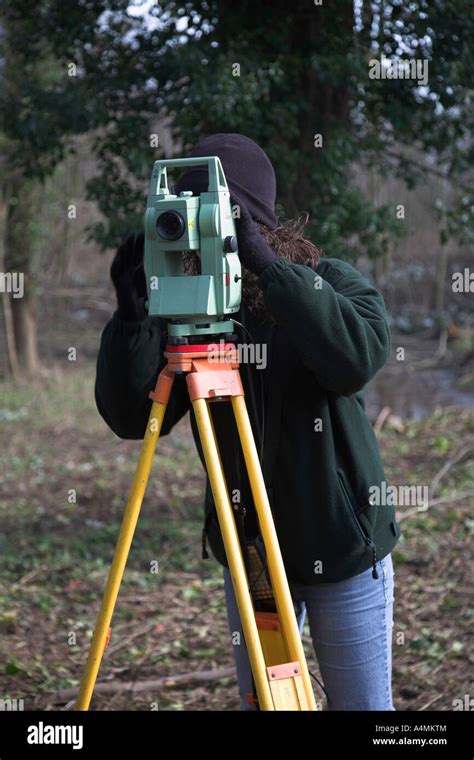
(254, 251)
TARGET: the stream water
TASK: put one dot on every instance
(414, 395)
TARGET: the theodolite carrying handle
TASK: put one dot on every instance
(159, 176)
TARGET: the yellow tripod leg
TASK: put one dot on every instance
(276, 567)
(233, 552)
(122, 550)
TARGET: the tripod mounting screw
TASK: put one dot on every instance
(178, 341)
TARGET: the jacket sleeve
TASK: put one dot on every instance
(129, 361)
(339, 327)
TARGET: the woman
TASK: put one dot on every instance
(325, 332)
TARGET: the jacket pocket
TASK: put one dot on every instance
(358, 516)
(365, 529)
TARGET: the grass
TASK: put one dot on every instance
(63, 486)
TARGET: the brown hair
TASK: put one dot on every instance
(286, 240)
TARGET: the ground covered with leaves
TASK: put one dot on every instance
(63, 486)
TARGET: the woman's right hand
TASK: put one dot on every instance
(128, 276)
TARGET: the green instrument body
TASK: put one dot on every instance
(195, 304)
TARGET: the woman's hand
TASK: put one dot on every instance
(128, 276)
(254, 251)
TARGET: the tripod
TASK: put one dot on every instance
(278, 663)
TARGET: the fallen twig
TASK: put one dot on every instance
(435, 503)
(167, 682)
(29, 576)
(128, 639)
(434, 485)
(448, 466)
(379, 422)
(431, 702)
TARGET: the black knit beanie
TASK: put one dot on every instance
(248, 170)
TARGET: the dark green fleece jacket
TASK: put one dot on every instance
(326, 338)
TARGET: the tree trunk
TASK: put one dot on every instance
(440, 285)
(442, 268)
(10, 348)
(19, 253)
(326, 104)
(24, 327)
(13, 366)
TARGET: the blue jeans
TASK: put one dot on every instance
(351, 625)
